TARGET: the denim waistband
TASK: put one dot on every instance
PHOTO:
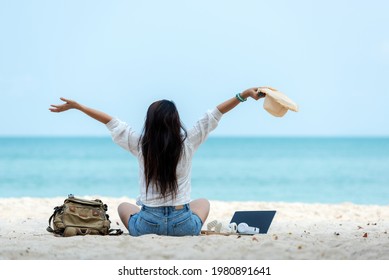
(166, 210)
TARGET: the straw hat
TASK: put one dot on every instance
(277, 103)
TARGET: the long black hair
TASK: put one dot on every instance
(162, 144)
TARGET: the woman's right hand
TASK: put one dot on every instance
(69, 104)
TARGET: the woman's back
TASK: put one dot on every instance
(125, 136)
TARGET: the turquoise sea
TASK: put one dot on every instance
(325, 170)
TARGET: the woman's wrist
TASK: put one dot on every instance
(239, 97)
(245, 94)
(79, 107)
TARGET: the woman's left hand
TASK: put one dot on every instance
(253, 93)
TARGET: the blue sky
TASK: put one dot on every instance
(331, 57)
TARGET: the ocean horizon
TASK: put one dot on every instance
(287, 169)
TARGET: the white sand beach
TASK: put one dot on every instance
(298, 231)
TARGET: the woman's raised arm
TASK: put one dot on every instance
(234, 101)
(71, 104)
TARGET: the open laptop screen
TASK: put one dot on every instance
(259, 219)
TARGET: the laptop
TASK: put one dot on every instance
(258, 219)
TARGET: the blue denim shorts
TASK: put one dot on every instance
(165, 220)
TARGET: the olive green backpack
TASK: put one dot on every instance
(81, 217)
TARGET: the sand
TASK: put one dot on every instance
(299, 231)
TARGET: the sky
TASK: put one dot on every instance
(330, 57)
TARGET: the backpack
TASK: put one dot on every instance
(81, 217)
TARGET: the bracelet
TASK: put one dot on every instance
(240, 98)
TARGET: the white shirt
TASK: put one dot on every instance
(127, 138)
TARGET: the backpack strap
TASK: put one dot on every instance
(112, 231)
(56, 210)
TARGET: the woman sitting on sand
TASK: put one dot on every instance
(164, 151)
